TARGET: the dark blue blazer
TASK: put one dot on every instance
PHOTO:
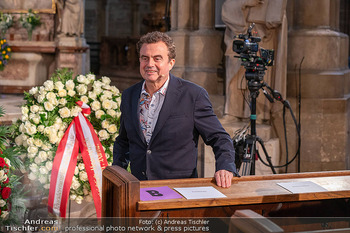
(172, 150)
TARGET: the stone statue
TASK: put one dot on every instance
(270, 21)
(71, 17)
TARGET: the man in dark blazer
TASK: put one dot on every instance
(162, 118)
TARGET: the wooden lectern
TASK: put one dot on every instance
(121, 196)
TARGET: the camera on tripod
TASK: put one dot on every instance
(247, 47)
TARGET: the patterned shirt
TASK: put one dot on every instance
(149, 108)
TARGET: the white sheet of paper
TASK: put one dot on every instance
(200, 192)
(302, 187)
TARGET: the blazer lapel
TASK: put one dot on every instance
(171, 98)
(134, 108)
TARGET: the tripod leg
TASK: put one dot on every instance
(248, 160)
(268, 158)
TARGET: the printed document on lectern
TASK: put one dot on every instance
(200, 192)
(302, 187)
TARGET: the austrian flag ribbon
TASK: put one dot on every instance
(80, 135)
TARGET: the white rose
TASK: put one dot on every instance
(62, 101)
(106, 87)
(79, 200)
(33, 167)
(21, 128)
(2, 175)
(106, 80)
(71, 93)
(25, 110)
(63, 126)
(95, 105)
(4, 214)
(92, 95)
(82, 89)
(60, 135)
(24, 117)
(32, 149)
(91, 77)
(43, 156)
(75, 183)
(2, 203)
(38, 142)
(50, 95)
(115, 90)
(59, 85)
(112, 129)
(108, 94)
(36, 119)
(48, 84)
(82, 79)
(45, 147)
(111, 112)
(62, 93)
(99, 114)
(42, 90)
(53, 138)
(53, 101)
(105, 124)
(37, 160)
(97, 84)
(107, 104)
(98, 90)
(47, 186)
(64, 112)
(31, 156)
(41, 98)
(103, 135)
(43, 170)
(34, 108)
(41, 128)
(75, 111)
(33, 91)
(48, 165)
(70, 85)
(81, 166)
(83, 176)
(30, 141)
(114, 105)
(19, 140)
(42, 179)
(32, 176)
(85, 99)
(58, 121)
(76, 171)
(72, 197)
(49, 106)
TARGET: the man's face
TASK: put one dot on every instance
(154, 62)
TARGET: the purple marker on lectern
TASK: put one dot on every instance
(158, 193)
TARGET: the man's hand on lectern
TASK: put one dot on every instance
(223, 178)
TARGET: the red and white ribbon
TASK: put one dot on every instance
(79, 135)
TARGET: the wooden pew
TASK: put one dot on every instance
(248, 221)
(262, 194)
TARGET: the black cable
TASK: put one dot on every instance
(285, 136)
(287, 105)
(299, 106)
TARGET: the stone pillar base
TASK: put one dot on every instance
(73, 53)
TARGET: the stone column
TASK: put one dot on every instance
(320, 53)
(180, 28)
(204, 50)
